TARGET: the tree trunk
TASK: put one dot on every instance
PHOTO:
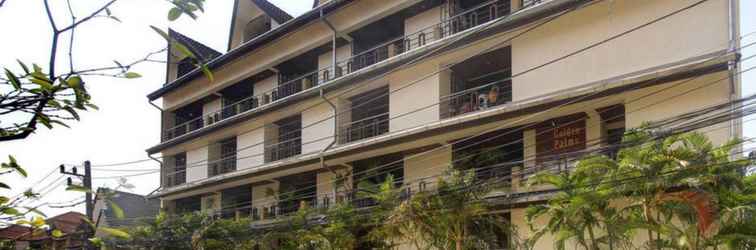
(649, 220)
(594, 246)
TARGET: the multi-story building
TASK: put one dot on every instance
(409, 87)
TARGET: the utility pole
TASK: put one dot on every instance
(86, 180)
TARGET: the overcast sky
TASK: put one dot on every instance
(126, 124)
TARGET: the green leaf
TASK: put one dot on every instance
(132, 75)
(14, 165)
(57, 233)
(36, 211)
(78, 188)
(3, 185)
(4, 200)
(45, 84)
(9, 211)
(183, 49)
(161, 33)
(38, 222)
(174, 14)
(206, 71)
(116, 232)
(74, 82)
(13, 79)
(23, 66)
(117, 210)
(115, 18)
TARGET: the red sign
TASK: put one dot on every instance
(560, 136)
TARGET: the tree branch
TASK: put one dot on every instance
(54, 45)
(71, 42)
(90, 16)
(31, 126)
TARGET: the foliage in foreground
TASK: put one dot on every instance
(678, 192)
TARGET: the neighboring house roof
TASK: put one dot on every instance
(68, 222)
(13, 232)
(133, 205)
(202, 51)
(272, 11)
(255, 43)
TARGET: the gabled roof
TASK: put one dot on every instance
(272, 11)
(68, 222)
(255, 43)
(202, 51)
(133, 206)
(14, 231)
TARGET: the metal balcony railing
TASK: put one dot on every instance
(365, 128)
(174, 178)
(283, 150)
(473, 17)
(475, 99)
(225, 165)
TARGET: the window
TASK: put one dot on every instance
(369, 116)
(612, 128)
(491, 155)
(296, 189)
(375, 171)
(287, 138)
(176, 170)
(479, 83)
(223, 157)
(188, 205)
(236, 202)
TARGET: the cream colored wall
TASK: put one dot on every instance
(327, 187)
(700, 30)
(211, 107)
(196, 171)
(639, 110)
(316, 133)
(260, 194)
(325, 60)
(251, 149)
(420, 98)
(423, 21)
(711, 90)
(245, 12)
(427, 167)
(266, 85)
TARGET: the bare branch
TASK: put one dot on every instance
(71, 42)
(90, 16)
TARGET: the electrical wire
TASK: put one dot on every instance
(719, 128)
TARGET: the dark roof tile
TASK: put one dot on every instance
(272, 11)
(204, 52)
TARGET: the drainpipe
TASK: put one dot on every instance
(333, 41)
(335, 132)
(322, 94)
(733, 33)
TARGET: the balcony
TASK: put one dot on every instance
(285, 138)
(284, 150)
(222, 157)
(366, 128)
(479, 83)
(175, 171)
(298, 75)
(368, 115)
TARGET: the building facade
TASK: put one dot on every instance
(363, 89)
